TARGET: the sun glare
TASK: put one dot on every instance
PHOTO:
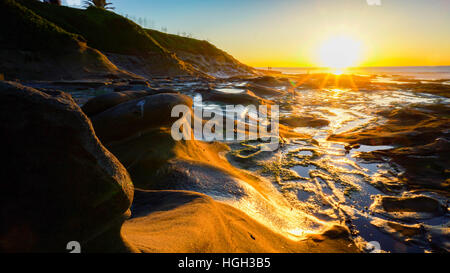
(339, 53)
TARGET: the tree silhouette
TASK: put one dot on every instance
(98, 3)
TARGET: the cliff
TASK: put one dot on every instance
(42, 41)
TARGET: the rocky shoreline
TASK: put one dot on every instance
(124, 127)
(65, 185)
(85, 118)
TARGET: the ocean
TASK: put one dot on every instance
(410, 72)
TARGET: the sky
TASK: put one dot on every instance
(288, 33)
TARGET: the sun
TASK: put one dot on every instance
(339, 53)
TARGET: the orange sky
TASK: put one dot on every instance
(397, 33)
(283, 33)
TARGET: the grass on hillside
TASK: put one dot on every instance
(21, 28)
(178, 43)
(102, 29)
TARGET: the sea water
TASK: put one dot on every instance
(412, 72)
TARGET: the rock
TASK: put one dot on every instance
(139, 82)
(133, 117)
(349, 147)
(423, 136)
(270, 81)
(185, 175)
(356, 146)
(262, 90)
(337, 231)
(426, 165)
(101, 103)
(404, 116)
(82, 84)
(245, 98)
(163, 90)
(59, 183)
(189, 222)
(406, 127)
(56, 93)
(402, 232)
(304, 121)
(415, 204)
(334, 232)
(417, 207)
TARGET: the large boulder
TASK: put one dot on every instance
(138, 132)
(137, 116)
(59, 183)
(246, 97)
(102, 103)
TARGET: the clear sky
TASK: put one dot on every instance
(288, 33)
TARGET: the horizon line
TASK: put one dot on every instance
(321, 67)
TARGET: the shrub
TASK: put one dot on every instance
(98, 3)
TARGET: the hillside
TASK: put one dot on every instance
(34, 48)
(90, 43)
(202, 55)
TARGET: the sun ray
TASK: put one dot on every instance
(324, 82)
(339, 53)
(352, 82)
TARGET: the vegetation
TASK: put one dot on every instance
(32, 25)
(36, 33)
(102, 29)
(178, 43)
(98, 3)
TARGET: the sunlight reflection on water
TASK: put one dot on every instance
(333, 183)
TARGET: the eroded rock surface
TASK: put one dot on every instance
(60, 184)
